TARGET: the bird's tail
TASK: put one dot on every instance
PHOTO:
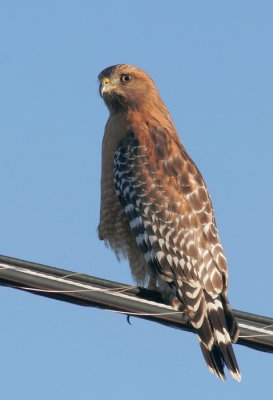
(216, 329)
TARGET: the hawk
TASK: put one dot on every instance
(156, 212)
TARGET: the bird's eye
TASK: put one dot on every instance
(126, 78)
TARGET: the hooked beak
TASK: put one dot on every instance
(106, 86)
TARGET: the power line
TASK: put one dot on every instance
(255, 331)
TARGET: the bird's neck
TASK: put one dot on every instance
(151, 113)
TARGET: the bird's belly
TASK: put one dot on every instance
(114, 229)
(114, 225)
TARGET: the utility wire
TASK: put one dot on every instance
(255, 331)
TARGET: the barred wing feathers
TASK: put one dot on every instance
(170, 213)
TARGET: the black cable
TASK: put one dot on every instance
(255, 331)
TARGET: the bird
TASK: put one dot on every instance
(156, 212)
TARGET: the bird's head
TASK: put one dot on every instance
(124, 86)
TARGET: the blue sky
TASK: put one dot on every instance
(213, 63)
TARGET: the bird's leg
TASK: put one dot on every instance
(168, 294)
(152, 284)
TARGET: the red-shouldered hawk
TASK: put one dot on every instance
(156, 211)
